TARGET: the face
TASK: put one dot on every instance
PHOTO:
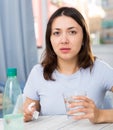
(66, 38)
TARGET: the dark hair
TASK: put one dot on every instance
(85, 56)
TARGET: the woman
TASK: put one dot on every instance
(68, 64)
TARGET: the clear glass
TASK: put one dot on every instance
(68, 99)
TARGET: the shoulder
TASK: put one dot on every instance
(37, 67)
(100, 64)
(36, 70)
(101, 67)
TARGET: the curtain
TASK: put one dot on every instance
(17, 38)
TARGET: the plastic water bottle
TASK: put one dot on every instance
(12, 102)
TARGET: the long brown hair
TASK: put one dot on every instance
(85, 56)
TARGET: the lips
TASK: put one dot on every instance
(65, 50)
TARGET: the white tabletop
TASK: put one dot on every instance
(62, 123)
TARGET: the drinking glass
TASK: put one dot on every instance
(68, 99)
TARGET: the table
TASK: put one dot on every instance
(62, 123)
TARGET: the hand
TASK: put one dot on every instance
(28, 111)
(89, 109)
(29, 107)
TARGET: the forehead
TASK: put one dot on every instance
(64, 22)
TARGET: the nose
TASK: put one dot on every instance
(64, 39)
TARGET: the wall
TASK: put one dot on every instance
(104, 51)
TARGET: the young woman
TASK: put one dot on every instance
(68, 64)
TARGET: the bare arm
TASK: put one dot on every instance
(112, 89)
(106, 115)
(28, 114)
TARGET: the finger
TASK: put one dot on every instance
(84, 98)
(83, 104)
(84, 116)
(82, 113)
(27, 117)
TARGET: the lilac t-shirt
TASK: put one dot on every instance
(95, 82)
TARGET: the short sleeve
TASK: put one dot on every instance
(108, 76)
(30, 89)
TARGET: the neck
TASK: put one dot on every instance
(67, 68)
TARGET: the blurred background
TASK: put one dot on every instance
(22, 32)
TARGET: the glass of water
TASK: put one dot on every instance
(68, 99)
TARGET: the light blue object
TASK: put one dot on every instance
(50, 93)
(108, 100)
(12, 102)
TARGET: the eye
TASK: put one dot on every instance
(56, 33)
(72, 32)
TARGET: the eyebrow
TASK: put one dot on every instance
(72, 28)
(67, 28)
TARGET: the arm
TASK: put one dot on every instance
(106, 115)
(112, 89)
(28, 114)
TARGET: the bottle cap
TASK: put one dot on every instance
(11, 72)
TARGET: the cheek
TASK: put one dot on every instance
(78, 41)
(76, 46)
(54, 40)
(54, 43)
(53, 46)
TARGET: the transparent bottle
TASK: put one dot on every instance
(12, 102)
